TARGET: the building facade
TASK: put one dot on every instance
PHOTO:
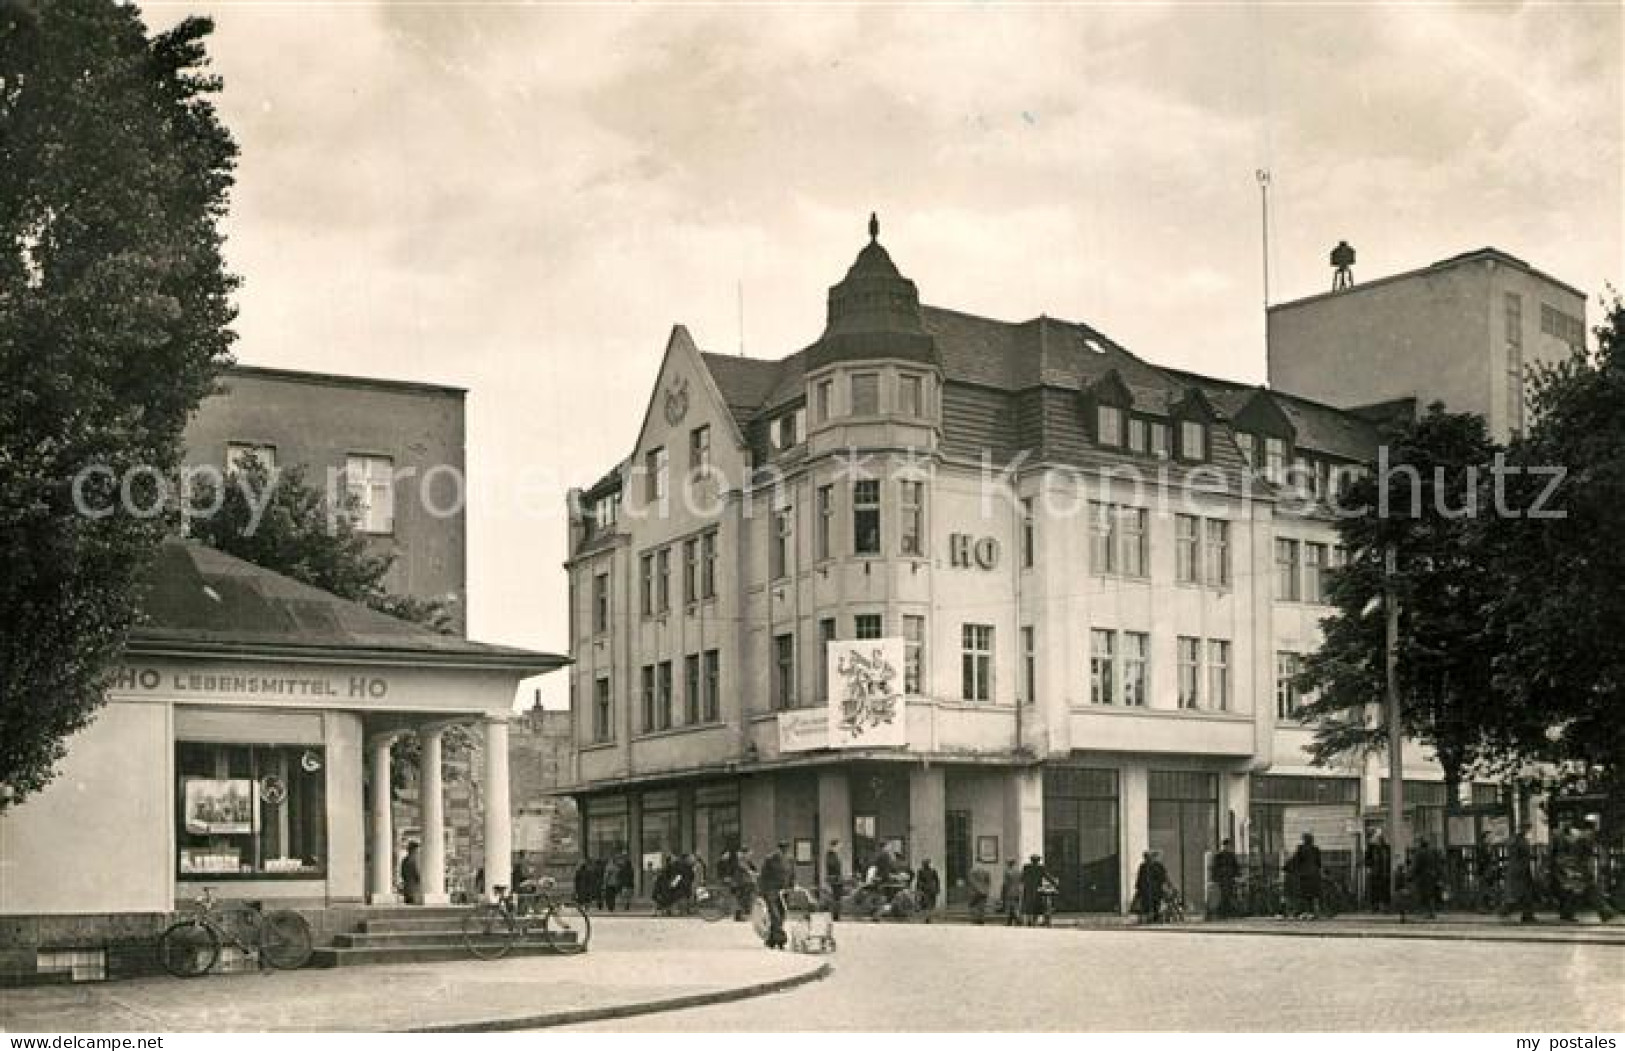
(395, 447)
(1101, 573)
(1463, 330)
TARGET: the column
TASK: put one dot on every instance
(927, 809)
(498, 817)
(1235, 792)
(1134, 785)
(758, 814)
(834, 816)
(382, 882)
(1024, 814)
(432, 800)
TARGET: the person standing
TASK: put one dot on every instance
(411, 876)
(777, 876)
(1148, 883)
(1032, 882)
(1379, 871)
(834, 876)
(1429, 871)
(1226, 870)
(1010, 894)
(1306, 866)
(928, 882)
(981, 888)
(585, 893)
(1520, 877)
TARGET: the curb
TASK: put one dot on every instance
(1414, 934)
(600, 1014)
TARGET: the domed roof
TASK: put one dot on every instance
(873, 313)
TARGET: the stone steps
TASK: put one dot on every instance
(415, 952)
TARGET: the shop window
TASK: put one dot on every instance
(251, 810)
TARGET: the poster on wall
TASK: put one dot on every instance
(803, 729)
(866, 707)
(220, 807)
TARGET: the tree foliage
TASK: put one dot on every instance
(114, 323)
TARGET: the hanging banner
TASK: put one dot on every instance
(866, 707)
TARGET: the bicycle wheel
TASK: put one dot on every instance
(489, 932)
(285, 941)
(188, 949)
(714, 905)
(566, 929)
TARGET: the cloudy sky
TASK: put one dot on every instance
(522, 200)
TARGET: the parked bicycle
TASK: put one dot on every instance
(277, 938)
(493, 928)
(715, 902)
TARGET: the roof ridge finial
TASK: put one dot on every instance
(874, 228)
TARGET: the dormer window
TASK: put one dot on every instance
(787, 429)
(1139, 440)
(1275, 460)
(1159, 434)
(1192, 440)
(1248, 444)
(1108, 425)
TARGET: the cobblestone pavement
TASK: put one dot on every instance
(961, 978)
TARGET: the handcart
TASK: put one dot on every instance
(808, 921)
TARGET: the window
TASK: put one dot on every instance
(788, 429)
(1029, 667)
(1027, 531)
(1138, 439)
(711, 706)
(223, 828)
(1286, 571)
(1136, 670)
(866, 394)
(1102, 537)
(370, 482)
(1287, 666)
(654, 475)
(1108, 425)
(646, 582)
(1275, 460)
(1190, 672)
(977, 662)
(708, 566)
(1136, 558)
(1187, 553)
(824, 400)
(867, 626)
(1314, 578)
(826, 519)
(911, 396)
(1159, 440)
(1248, 444)
(647, 696)
(691, 689)
(912, 515)
(826, 635)
(1218, 674)
(1514, 363)
(866, 517)
(605, 512)
(1192, 440)
(1566, 327)
(600, 603)
(1102, 661)
(1217, 562)
(699, 449)
(778, 553)
(603, 726)
(663, 580)
(784, 671)
(913, 654)
(663, 697)
(237, 452)
(691, 571)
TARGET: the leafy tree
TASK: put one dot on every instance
(114, 315)
(1560, 612)
(1427, 502)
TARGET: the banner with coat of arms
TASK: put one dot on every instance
(866, 708)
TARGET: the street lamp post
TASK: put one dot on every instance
(1396, 735)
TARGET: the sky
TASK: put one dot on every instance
(523, 199)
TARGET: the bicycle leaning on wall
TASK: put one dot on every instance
(494, 927)
(190, 946)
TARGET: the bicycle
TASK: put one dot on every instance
(715, 902)
(190, 947)
(493, 928)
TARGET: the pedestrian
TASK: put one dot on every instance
(625, 880)
(834, 876)
(1428, 868)
(777, 876)
(1226, 870)
(1010, 894)
(1379, 871)
(1306, 867)
(1591, 895)
(597, 870)
(661, 892)
(581, 882)
(1520, 877)
(411, 876)
(928, 883)
(981, 889)
(1149, 880)
(1032, 882)
(609, 883)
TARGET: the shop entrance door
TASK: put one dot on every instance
(957, 859)
(1185, 827)
(1081, 838)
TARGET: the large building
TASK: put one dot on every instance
(1463, 330)
(1102, 575)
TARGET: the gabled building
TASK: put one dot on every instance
(1100, 574)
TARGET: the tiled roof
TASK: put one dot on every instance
(744, 382)
(1319, 427)
(197, 595)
